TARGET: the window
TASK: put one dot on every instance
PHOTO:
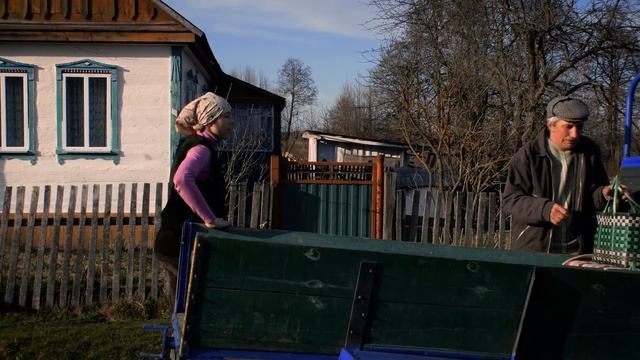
(253, 129)
(87, 111)
(16, 110)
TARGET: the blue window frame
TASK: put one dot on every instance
(87, 111)
(17, 111)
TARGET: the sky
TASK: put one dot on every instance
(331, 36)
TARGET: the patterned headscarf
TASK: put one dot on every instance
(201, 112)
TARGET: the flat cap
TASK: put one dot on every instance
(568, 108)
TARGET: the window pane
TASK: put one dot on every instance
(15, 111)
(74, 92)
(97, 112)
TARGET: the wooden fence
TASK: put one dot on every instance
(444, 217)
(68, 247)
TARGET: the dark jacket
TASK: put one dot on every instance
(176, 211)
(528, 195)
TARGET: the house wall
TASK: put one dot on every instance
(144, 101)
(190, 64)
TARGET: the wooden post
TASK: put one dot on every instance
(501, 224)
(91, 265)
(446, 233)
(378, 192)
(155, 266)
(255, 206)
(6, 209)
(482, 210)
(144, 237)
(458, 216)
(37, 281)
(15, 247)
(106, 239)
(78, 273)
(31, 223)
(491, 220)
(468, 222)
(389, 205)
(117, 248)
(57, 220)
(233, 203)
(131, 250)
(437, 203)
(415, 209)
(399, 214)
(66, 259)
(426, 216)
(276, 211)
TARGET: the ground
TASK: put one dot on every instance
(108, 332)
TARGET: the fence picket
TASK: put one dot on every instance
(26, 268)
(37, 280)
(15, 247)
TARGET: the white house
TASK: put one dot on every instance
(329, 147)
(89, 91)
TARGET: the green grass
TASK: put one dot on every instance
(108, 332)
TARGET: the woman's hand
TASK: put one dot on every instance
(218, 223)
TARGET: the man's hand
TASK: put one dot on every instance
(558, 214)
(218, 223)
(608, 192)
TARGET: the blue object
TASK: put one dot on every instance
(628, 119)
(380, 353)
(166, 342)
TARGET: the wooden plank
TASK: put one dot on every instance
(255, 206)
(242, 205)
(55, 239)
(446, 234)
(66, 259)
(78, 273)
(482, 213)
(233, 204)
(91, 262)
(501, 224)
(15, 247)
(426, 215)
(399, 214)
(457, 209)
(144, 238)
(415, 209)
(117, 249)
(26, 268)
(132, 239)
(4, 227)
(468, 222)
(37, 280)
(491, 221)
(155, 266)
(265, 221)
(389, 205)
(437, 203)
(106, 239)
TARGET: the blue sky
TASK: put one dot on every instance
(329, 35)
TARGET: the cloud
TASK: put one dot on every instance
(338, 17)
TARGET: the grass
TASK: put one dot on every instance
(112, 331)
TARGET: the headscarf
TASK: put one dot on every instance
(201, 112)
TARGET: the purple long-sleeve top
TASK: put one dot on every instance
(195, 167)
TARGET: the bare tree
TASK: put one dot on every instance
(468, 81)
(297, 86)
(250, 75)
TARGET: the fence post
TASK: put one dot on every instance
(377, 189)
(389, 205)
(276, 209)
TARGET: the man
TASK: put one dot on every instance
(556, 184)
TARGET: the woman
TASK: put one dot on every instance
(197, 188)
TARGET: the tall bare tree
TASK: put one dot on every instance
(297, 86)
(468, 81)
